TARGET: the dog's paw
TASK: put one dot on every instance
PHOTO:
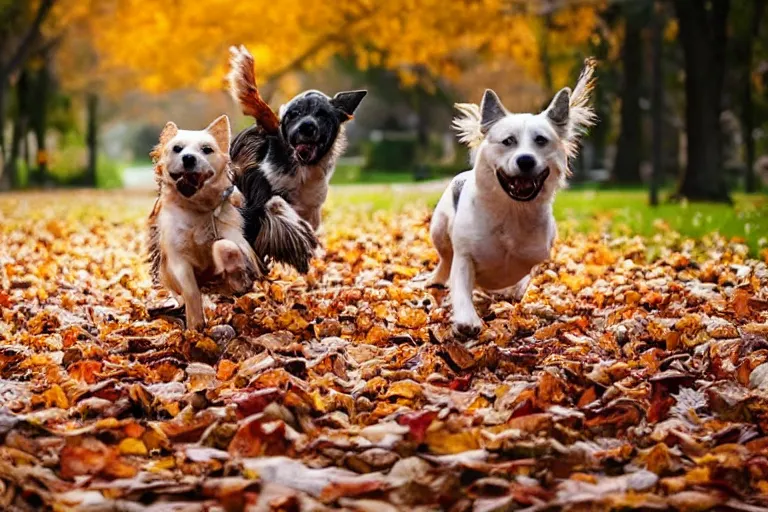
(238, 282)
(435, 281)
(170, 307)
(468, 327)
(195, 324)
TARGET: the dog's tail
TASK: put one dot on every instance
(285, 237)
(581, 115)
(242, 87)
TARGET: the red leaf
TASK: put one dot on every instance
(418, 423)
(253, 402)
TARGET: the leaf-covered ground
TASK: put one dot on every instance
(617, 383)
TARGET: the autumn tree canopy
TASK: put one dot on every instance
(175, 45)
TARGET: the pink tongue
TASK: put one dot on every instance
(304, 151)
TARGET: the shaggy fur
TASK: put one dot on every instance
(494, 223)
(295, 159)
(196, 240)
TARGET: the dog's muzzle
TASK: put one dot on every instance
(305, 140)
(189, 182)
(522, 188)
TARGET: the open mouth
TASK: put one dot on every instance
(306, 153)
(188, 183)
(522, 188)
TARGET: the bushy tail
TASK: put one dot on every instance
(285, 237)
(242, 87)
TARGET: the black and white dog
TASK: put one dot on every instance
(283, 165)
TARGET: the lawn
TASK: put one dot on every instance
(605, 212)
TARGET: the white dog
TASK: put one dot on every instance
(494, 223)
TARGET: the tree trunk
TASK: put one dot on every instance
(626, 168)
(747, 114)
(657, 103)
(19, 131)
(18, 58)
(703, 36)
(40, 123)
(601, 130)
(92, 140)
(3, 155)
(546, 63)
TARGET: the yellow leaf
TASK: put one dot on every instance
(130, 446)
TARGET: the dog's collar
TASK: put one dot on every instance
(217, 211)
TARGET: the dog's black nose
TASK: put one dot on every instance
(308, 128)
(189, 162)
(526, 163)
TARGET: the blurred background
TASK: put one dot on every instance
(682, 94)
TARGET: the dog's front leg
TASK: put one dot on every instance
(229, 260)
(465, 319)
(184, 275)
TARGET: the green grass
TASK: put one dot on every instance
(628, 213)
(614, 212)
(352, 174)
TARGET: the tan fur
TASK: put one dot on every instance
(197, 243)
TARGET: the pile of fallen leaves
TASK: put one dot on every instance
(617, 383)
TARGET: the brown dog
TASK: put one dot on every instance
(196, 238)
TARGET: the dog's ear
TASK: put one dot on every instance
(491, 110)
(221, 132)
(558, 111)
(346, 103)
(169, 131)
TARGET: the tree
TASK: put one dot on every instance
(419, 40)
(704, 38)
(629, 153)
(657, 100)
(20, 31)
(747, 18)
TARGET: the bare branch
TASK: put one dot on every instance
(25, 46)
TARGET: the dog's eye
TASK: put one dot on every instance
(207, 150)
(541, 141)
(177, 149)
(509, 141)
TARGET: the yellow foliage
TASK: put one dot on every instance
(160, 46)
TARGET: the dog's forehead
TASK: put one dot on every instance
(192, 137)
(511, 123)
(312, 98)
(515, 124)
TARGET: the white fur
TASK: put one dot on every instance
(491, 240)
(307, 188)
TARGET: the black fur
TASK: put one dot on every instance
(322, 121)
(458, 186)
(309, 128)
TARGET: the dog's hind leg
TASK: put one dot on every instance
(441, 238)
(515, 292)
(440, 232)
